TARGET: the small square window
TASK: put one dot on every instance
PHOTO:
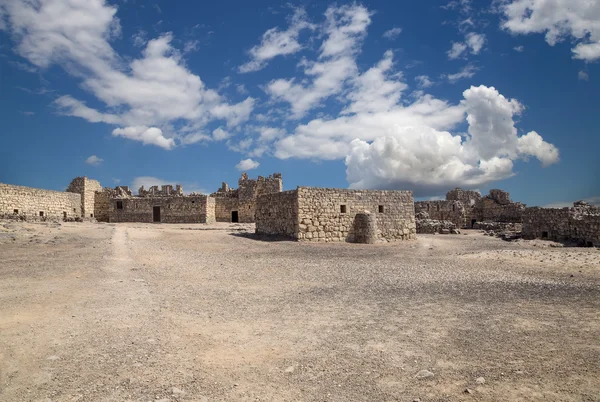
(343, 209)
(74, 209)
(381, 209)
(119, 204)
(193, 202)
(16, 211)
(91, 215)
(41, 213)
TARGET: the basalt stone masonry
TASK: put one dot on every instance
(36, 204)
(464, 208)
(579, 224)
(239, 205)
(87, 188)
(327, 214)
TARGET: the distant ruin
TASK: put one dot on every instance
(465, 208)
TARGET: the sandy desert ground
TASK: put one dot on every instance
(141, 312)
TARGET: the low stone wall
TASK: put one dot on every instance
(327, 214)
(430, 226)
(277, 214)
(578, 225)
(488, 209)
(37, 204)
(365, 228)
(187, 209)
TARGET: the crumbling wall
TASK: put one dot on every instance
(277, 214)
(327, 214)
(224, 206)
(87, 188)
(467, 197)
(489, 209)
(176, 209)
(444, 210)
(580, 224)
(37, 204)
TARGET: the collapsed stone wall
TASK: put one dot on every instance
(87, 188)
(467, 197)
(497, 207)
(444, 210)
(175, 209)
(579, 224)
(277, 214)
(37, 204)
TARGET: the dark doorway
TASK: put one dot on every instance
(544, 235)
(473, 222)
(156, 214)
(234, 216)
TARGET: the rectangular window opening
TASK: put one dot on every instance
(16, 211)
(381, 209)
(544, 235)
(119, 204)
(91, 215)
(41, 213)
(64, 215)
(343, 209)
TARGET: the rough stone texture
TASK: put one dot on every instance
(430, 226)
(579, 224)
(365, 228)
(277, 214)
(497, 207)
(173, 209)
(325, 214)
(467, 197)
(243, 199)
(87, 188)
(444, 210)
(30, 202)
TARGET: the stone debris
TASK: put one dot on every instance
(424, 374)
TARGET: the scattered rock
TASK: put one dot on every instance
(468, 391)
(480, 380)
(177, 391)
(424, 374)
(53, 358)
(289, 369)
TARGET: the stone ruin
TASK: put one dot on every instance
(307, 213)
(331, 215)
(579, 224)
(465, 208)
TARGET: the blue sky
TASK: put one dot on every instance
(425, 96)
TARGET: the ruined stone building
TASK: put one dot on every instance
(578, 224)
(86, 199)
(465, 208)
(327, 214)
(238, 205)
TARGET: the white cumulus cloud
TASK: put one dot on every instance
(147, 135)
(94, 160)
(392, 33)
(558, 20)
(155, 90)
(247, 164)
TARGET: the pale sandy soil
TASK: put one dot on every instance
(117, 312)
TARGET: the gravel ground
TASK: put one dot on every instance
(118, 312)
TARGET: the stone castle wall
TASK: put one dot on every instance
(579, 225)
(177, 209)
(87, 188)
(444, 210)
(277, 214)
(489, 210)
(36, 204)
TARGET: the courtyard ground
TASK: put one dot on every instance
(142, 312)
